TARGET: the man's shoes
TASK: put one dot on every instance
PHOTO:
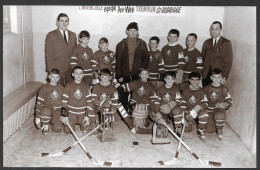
(178, 131)
(45, 130)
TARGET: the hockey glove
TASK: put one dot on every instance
(64, 116)
(222, 105)
(166, 108)
(191, 116)
(37, 122)
(86, 121)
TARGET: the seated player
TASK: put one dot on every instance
(194, 103)
(141, 90)
(219, 100)
(75, 100)
(48, 106)
(104, 95)
(103, 58)
(169, 101)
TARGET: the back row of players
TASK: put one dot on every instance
(182, 91)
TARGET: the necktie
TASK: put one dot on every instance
(65, 38)
(215, 42)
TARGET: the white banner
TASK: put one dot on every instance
(134, 10)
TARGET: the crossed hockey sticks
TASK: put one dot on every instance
(179, 144)
(204, 162)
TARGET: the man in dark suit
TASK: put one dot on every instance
(58, 48)
(216, 53)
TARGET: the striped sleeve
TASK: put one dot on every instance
(178, 98)
(199, 64)
(155, 102)
(40, 102)
(114, 100)
(73, 58)
(91, 108)
(65, 97)
(181, 59)
(228, 97)
(94, 61)
(113, 64)
(204, 100)
(183, 106)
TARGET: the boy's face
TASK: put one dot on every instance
(169, 80)
(172, 38)
(215, 30)
(105, 78)
(191, 41)
(84, 40)
(103, 46)
(194, 81)
(153, 45)
(78, 74)
(216, 78)
(144, 75)
(54, 78)
(132, 33)
(63, 23)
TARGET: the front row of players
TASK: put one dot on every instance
(83, 103)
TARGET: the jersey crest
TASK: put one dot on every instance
(193, 100)
(85, 56)
(180, 55)
(78, 94)
(213, 96)
(199, 60)
(186, 59)
(167, 97)
(104, 96)
(151, 59)
(168, 53)
(106, 59)
(55, 95)
(141, 91)
(178, 96)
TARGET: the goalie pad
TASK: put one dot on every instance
(140, 114)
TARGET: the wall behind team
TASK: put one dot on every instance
(113, 26)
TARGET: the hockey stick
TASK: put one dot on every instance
(71, 146)
(186, 146)
(179, 144)
(84, 149)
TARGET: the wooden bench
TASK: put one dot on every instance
(18, 107)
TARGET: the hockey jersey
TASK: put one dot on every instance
(193, 61)
(141, 91)
(216, 95)
(104, 60)
(173, 57)
(49, 95)
(101, 93)
(76, 97)
(156, 65)
(165, 95)
(83, 57)
(192, 97)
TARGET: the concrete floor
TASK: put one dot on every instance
(25, 146)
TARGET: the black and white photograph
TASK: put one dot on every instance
(129, 86)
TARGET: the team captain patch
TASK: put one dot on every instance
(55, 95)
(78, 94)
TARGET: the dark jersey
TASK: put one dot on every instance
(83, 57)
(155, 65)
(192, 97)
(193, 61)
(173, 58)
(104, 60)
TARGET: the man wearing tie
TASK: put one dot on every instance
(58, 48)
(216, 53)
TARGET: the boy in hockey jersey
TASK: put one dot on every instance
(48, 106)
(156, 65)
(82, 55)
(192, 58)
(141, 90)
(104, 94)
(194, 103)
(172, 55)
(104, 58)
(169, 101)
(219, 100)
(76, 101)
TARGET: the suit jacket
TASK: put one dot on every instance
(57, 51)
(141, 58)
(220, 56)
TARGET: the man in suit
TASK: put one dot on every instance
(216, 53)
(58, 48)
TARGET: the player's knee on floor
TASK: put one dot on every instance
(219, 115)
(57, 128)
(45, 115)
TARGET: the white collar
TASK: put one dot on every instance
(194, 88)
(216, 39)
(171, 45)
(66, 31)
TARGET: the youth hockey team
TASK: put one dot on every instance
(182, 85)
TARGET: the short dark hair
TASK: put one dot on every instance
(217, 22)
(76, 67)
(62, 15)
(193, 34)
(84, 33)
(105, 71)
(216, 71)
(195, 75)
(103, 40)
(54, 71)
(170, 73)
(155, 38)
(143, 69)
(174, 31)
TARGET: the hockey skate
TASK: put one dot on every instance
(178, 131)
(220, 134)
(45, 130)
(201, 135)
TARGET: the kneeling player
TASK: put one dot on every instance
(195, 101)
(48, 106)
(219, 100)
